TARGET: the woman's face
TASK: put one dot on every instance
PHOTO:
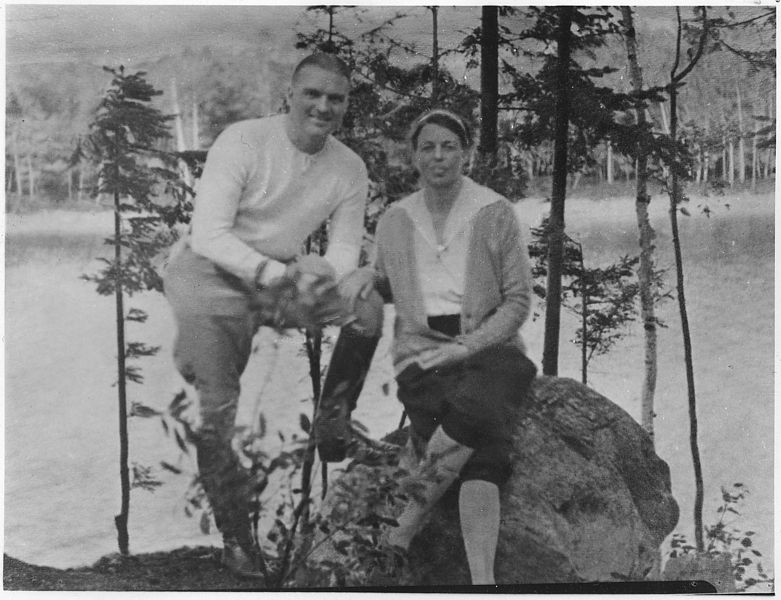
(439, 156)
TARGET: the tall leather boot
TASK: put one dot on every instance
(226, 485)
(350, 362)
(344, 381)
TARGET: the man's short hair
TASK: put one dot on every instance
(323, 60)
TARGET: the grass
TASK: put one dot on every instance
(183, 569)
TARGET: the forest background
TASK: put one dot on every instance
(216, 66)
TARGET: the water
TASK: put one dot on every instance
(61, 468)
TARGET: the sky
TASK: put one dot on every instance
(109, 34)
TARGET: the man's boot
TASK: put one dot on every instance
(344, 381)
(225, 483)
(350, 362)
(242, 561)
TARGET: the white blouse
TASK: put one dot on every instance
(442, 267)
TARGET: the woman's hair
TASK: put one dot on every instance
(323, 60)
(443, 118)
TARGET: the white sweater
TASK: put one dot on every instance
(259, 197)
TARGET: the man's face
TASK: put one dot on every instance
(318, 101)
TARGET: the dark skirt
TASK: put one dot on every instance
(475, 401)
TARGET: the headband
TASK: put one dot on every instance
(450, 116)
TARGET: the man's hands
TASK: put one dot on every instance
(306, 296)
(443, 355)
(357, 284)
(310, 264)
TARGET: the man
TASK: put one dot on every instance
(267, 184)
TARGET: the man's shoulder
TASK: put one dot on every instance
(254, 128)
(345, 155)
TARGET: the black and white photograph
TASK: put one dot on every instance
(389, 298)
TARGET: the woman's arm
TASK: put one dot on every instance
(511, 258)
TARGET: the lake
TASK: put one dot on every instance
(61, 451)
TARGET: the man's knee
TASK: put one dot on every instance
(218, 414)
(369, 314)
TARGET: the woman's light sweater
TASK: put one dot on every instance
(497, 289)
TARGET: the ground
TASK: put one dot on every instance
(178, 570)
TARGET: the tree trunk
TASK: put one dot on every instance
(741, 141)
(675, 200)
(706, 169)
(121, 519)
(17, 163)
(196, 127)
(647, 235)
(724, 174)
(313, 344)
(754, 157)
(80, 188)
(666, 131)
(550, 355)
(489, 80)
(609, 162)
(181, 144)
(769, 138)
(767, 164)
(584, 327)
(665, 120)
(30, 177)
(731, 163)
(69, 175)
(434, 56)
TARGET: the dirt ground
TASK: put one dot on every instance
(184, 569)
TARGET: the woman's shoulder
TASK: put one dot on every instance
(491, 202)
(497, 213)
(403, 206)
(396, 216)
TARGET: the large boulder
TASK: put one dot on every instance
(588, 500)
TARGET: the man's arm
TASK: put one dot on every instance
(346, 229)
(217, 203)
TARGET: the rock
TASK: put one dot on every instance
(714, 568)
(588, 500)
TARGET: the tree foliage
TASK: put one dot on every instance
(122, 142)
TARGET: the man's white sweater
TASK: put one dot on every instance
(259, 197)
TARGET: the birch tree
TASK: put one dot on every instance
(647, 234)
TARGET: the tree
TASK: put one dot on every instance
(489, 80)
(550, 351)
(13, 116)
(602, 298)
(647, 234)
(677, 170)
(122, 142)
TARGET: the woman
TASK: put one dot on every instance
(454, 261)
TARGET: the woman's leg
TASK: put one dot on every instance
(478, 506)
(436, 472)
